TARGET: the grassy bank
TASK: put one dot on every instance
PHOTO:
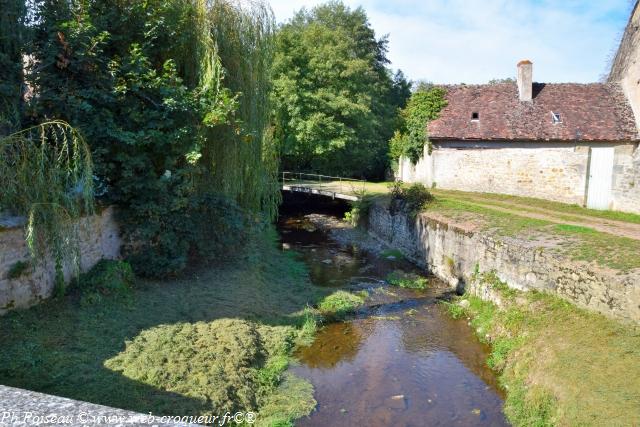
(216, 340)
(567, 211)
(577, 243)
(527, 204)
(558, 231)
(560, 365)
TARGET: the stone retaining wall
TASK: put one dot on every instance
(100, 239)
(454, 253)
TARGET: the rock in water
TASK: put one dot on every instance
(398, 402)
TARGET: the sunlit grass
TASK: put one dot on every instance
(561, 365)
(582, 243)
(174, 347)
(557, 207)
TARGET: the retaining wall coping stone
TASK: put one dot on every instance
(20, 407)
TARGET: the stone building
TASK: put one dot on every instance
(572, 143)
(625, 68)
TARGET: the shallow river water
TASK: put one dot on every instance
(400, 360)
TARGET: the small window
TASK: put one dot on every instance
(555, 118)
(475, 116)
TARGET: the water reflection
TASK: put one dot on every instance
(400, 361)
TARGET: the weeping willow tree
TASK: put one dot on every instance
(46, 175)
(172, 97)
(12, 43)
(241, 156)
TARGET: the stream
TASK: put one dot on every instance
(400, 360)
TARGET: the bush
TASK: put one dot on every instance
(211, 226)
(359, 211)
(396, 189)
(220, 228)
(106, 278)
(411, 198)
(18, 269)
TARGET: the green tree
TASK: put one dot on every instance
(335, 99)
(145, 84)
(12, 48)
(401, 91)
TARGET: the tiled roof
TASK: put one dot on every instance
(588, 112)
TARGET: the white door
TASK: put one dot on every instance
(600, 177)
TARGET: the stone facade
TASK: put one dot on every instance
(555, 171)
(100, 239)
(625, 69)
(626, 179)
(453, 253)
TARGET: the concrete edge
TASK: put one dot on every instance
(20, 407)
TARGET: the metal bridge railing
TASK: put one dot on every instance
(335, 184)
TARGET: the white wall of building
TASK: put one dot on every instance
(552, 170)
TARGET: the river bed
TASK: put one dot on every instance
(398, 361)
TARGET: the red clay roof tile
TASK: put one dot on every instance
(588, 112)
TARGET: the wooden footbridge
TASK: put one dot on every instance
(323, 185)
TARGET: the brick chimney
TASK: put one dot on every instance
(525, 80)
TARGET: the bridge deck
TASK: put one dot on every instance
(335, 191)
(324, 185)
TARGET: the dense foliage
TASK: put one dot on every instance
(175, 101)
(12, 46)
(335, 99)
(411, 198)
(107, 279)
(172, 97)
(424, 105)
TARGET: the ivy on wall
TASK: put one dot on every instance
(424, 105)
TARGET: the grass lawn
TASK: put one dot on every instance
(560, 210)
(578, 243)
(556, 207)
(560, 364)
(218, 339)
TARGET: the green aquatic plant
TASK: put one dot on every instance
(341, 303)
(395, 253)
(407, 280)
(456, 311)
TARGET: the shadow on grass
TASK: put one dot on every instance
(60, 347)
